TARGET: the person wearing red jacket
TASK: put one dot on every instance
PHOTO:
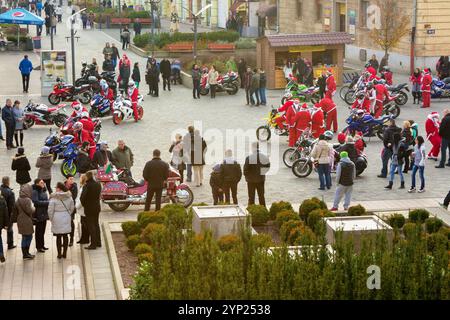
(359, 143)
(426, 88)
(432, 129)
(416, 81)
(387, 75)
(361, 102)
(302, 120)
(81, 135)
(371, 70)
(281, 120)
(107, 93)
(329, 109)
(78, 109)
(317, 119)
(87, 122)
(290, 121)
(330, 89)
(133, 94)
(381, 95)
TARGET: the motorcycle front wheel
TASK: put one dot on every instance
(394, 111)
(54, 99)
(302, 168)
(59, 120)
(379, 133)
(204, 91)
(117, 118)
(67, 170)
(402, 98)
(290, 155)
(350, 97)
(118, 207)
(140, 112)
(85, 97)
(343, 91)
(263, 133)
(234, 89)
(189, 197)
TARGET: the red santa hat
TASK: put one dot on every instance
(304, 106)
(341, 137)
(317, 105)
(329, 71)
(426, 70)
(433, 114)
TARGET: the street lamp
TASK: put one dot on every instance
(153, 8)
(72, 41)
(196, 17)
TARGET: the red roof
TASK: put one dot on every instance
(309, 39)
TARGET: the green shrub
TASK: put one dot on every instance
(137, 14)
(418, 215)
(309, 205)
(287, 227)
(301, 236)
(284, 216)
(176, 216)
(436, 241)
(261, 240)
(445, 231)
(130, 227)
(245, 43)
(142, 248)
(411, 230)
(279, 206)
(145, 257)
(228, 242)
(260, 215)
(133, 241)
(316, 216)
(142, 40)
(146, 217)
(357, 210)
(152, 232)
(396, 221)
(433, 224)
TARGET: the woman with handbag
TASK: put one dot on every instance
(321, 155)
(60, 211)
(177, 155)
(40, 202)
(23, 215)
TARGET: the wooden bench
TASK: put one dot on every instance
(120, 21)
(221, 46)
(145, 21)
(180, 47)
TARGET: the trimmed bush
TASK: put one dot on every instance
(151, 232)
(245, 43)
(316, 216)
(396, 221)
(436, 241)
(133, 241)
(287, 227)
(228, 242)
(176, 216)
(130, 227)
(418, 215)
(279, 206)
(301, 236)
(142, 248)
(260, 215)
(357, 210)
(433, 224)
(145, 257)
(262, 240)
(284, 216)
(309, 205)
(146, 217)
(445, 231)
(411, 230)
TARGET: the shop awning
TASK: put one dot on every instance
(20, 16)
(310, 39)
(267, 10)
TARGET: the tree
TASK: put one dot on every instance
(390, 26)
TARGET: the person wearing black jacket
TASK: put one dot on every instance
(322, 83)
(73, 188)
(102, 156)
(10, 199)
(166, 70)
(10, 123)
(22, 167)
(388, 141)
(155, 173)
(40, 202)
(255, 169)
(242, 69)
(90, 200)
(137, 26)
(350, 148)
(108, 64)
(231, 174)
(136, 75)
(196, 76)
(444, 132)
(84, 163)
(216, 183)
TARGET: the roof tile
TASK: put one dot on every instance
(310, 39)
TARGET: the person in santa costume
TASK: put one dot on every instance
(303, 120)
(330, 112)
(382, 94)
(87, 122)
(133, 94)
(330, 89)
(78, 109)
(317, 119)
(371, 95)
(361, 102)
(371, 70)
(290, 121)
(387, 75)
(426, 88)
(82, 135)
(432, 129)
(107, 93)
(281, 120)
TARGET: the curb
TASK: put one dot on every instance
(89, 280)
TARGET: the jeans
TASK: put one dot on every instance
(385, 157)
(25, 81)
(53, 30)
(189, 172)
(392, 173)
(254, 96)
(421, 175)
(341, 191)
(114, 61)
(196, 88)
(258, 187)
(10, 134)
(262, 95)
(26, 240)
(445, 144)
(40, 234)
(324, 175)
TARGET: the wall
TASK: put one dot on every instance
(289, 23)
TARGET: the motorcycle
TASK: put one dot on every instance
(119, 195)
(290, 155)
(67, 92)
(40, 114)
(100, 106)
(303, 93)
(440, 88)
(401, 96)
(366, 124)
(390, 107)
(227, 83)
(69, 165)
(263, 133)
(66, 128)
(57, 144)
(92, 78)
(123, 109)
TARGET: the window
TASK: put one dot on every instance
(363, 6)
(299, 9)
(319, 11)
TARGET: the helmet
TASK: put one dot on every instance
(328, 135)
(76, 106)
(104, 85)
(288, 95)
(360, 95)
(360, 112)
(84, 114)
(367, 65)
(131, 84)
(77, 126)
(370, 85)
(83, 63)
(386, 68)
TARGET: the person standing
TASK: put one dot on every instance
(102, 156)
(153, 77)
(384, 62)
(198, 148)
(40, 202)
(59, 13)
(287, 70)
(212, 80)
(85, 237)
(107, 50)
(321, 155)
(10, 123)
(416, 80)
(90, 200)
(374, 62)
(124, 72)
(216, 183)
(53, 23)
(386, 153)
(136, 76)
(187, 152)
(177, 155)
(122, 156)
(18, 117)
(155, 173)
(444, 133)
(345, 175)
(432, 129)
(231, 174)
(125, 36)
(396, 161)
(83, 161)
(196, 76)
(24, 217)
(71, 186)
(137, 26)
(254, 89)
(45, 162)
(255, 168)
(108, 64)
(419, 165)
(1, 133)
(48, 24)
(115, 54)
(262, 86)
(10, 199)
(84, 20)
(330, 113)
(25, 67)
(22, 167)
(4, 223)
(426, 88)
(166, 70)
(248, 85)
(242, 68)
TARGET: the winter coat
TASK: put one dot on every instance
(215, 181)
(177, 155)
(255, 167)
(90, 197)
(101, 158)
(40, 202)
(9, 197)
(212, 77)
(248, 80)
(18, 113)
(321, 152)
(155, 173)
(122, 159)
(444, 128)
(196, 75)
(60, 209)
(230, 171)
(24, 211)
(115, 53)
(345, 172)
(8, 116)
(22, 167)
(25, 66)
(165, 68)
(108, 65)
(198, 148)
(44, 163)
(242, 67)
(262, 80)
(108, 50)
(125, 35)
(136, 76)
(84, 163)
(255, 81)
(388, 135)
(73, 190)
(4, 214)
(350, 148)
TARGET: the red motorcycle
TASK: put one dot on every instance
(40, 114)
(67, 92)
(66, 128)
(120, 190)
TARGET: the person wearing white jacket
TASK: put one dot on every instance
(60, 209)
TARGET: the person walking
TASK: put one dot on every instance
(419, 165)
(396, 161)
(122, 156)
(196, 76)
(321, 155)
(71, 186)
(255, 168)
(231, 174)
(60, 211)
(254, 89)
(48, 24)
(432, 125)
(176, 149)
(115, 54)
(345, 175)
(198, 148)
(444, 133)
(262, 86)
(1, 132)
(242, 68)
(125, 37)
(25, 67)
(216, 183)
(155, 174)
(10, 199)
(44, 163)
(137, 26)
(187, 141)
(10, 123)
(53, 23)
(4, 223)
(386, 153)
(22, 167)
(108, 64)
(18, 117)
(136, 75)
(166, 71)
(24, 217)
(40, 202)
(426, 88)
(212, 80)
(90, 200)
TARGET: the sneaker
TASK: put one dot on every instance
(334, 209)
(381, 176)
(412, 190)
(2, 259)
(421, 190)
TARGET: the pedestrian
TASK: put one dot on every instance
(166, 71)
(248, 85)
(94, 63)
(83, 161)
(330, 113)
(18, 117)
(22, 167)
(231, 174)
(24, 217)
(407, 142)
(255, 168)
(156, 172)
(426, 88)
(212, 80)
(84, 238)
(396, 161)
(262, 86)
(321, 155)
(137, 26)
(53, 23)
(90, 200)
(107, 50)
(432, 125)
(330, 85)
(84, 19)
(45, 162)
(102, 156)
(345, 176)
(254, 90)
(108, 64)
(39, 8)
(59, 13)
(300, 69)
(176, 149)
(25, 68)
(216, 183)
(124, 73)
(1, 133)
(187, 152)
(60, 211)
(386, 153)
(136, 75)
(198, 148)
(242, 69)
(115, 54)
(40, 202)
(416, 80)
(196, 76)
(287, 70)
(10, 199)
(384, 62)
(48, 24)
(444, 133)
(350, 147)
(152, 77)
(374, 62)
(419, 165)
(125, 37)
(122, 157)
(71, 186)
(4, 223)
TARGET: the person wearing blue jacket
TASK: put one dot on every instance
(25, 68)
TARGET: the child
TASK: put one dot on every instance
(419, 165)
(136, 76)
(216, 184)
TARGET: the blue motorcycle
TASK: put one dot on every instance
(57, 144)
(69, 165)
(440, 88)
(367, 124)
(100, 106)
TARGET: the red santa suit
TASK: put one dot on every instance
(133, 96)
(302, 120)
(329, 108)
(426, 89)
(359, 144)
(88, 125)
(330, 89)
(387, 75)
(290, 121)
(372, 71)
(363, 104)
(110, 96)
(82, 136)
(77, 114)
(281, 120)
(317, 118)
(381, 95)
(432, 128)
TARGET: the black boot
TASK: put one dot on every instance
(402, 185)
(414, 94)
(389, 186)
(26, 254)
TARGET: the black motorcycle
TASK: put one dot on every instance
(402, 96)
(90, 76)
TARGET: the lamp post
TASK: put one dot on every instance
(196, 16)
(72, 41)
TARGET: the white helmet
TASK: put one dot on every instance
(288, 95)
(76, 106)
(104, 85)
(85, 114)
(360, 112)
(77, 126)
(131, 84)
